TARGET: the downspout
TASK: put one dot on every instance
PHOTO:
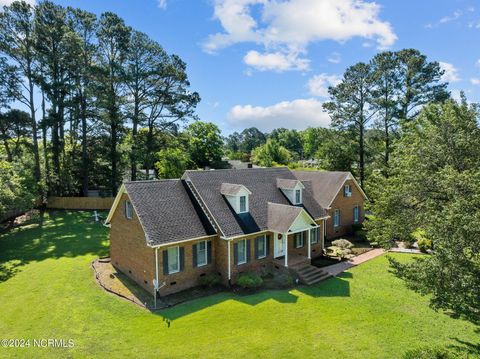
(229, 266)
(156, 284)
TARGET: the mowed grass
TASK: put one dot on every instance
(47, 290)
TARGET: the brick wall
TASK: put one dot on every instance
(345, 205)
(190, 275)
(128, 248)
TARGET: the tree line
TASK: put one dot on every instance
(100, 96)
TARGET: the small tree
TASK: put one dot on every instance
(270, 154)
(172, 162)
(341, 248)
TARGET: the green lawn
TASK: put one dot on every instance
(47, 290)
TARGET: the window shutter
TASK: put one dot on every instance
(235, 253)
(194, 255)
(344, 191)
(165, 262)
(182, 257)
(209, 252)
(248, 250)
(302, 235)
(256, 247)
(267, 244)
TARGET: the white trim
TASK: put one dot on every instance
(183, 241)
(286, 249)
(309, 235)
(116, 201)
(156, 265)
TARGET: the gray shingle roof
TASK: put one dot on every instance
(286, 183)
(281, 217)
(323, 184)
(262, 182)
(229, 189)
(166, 211)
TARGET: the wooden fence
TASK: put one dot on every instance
(80, 202)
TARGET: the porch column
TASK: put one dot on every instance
(309, 244)
(324, 234)
(286, 249)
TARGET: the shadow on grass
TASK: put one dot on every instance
(467, 347)
(54, 234)
(333, 287)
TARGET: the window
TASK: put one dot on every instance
(336, 218)
(243, 204)
(356, 214)
(298, 240)
(202, 253)
(298, 196)
(261, 247)
(347, 190)
(314, 232)
(173, 260)
(242, 252)
(128, 209)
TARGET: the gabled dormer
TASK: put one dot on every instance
(292, 189)
(237, 195)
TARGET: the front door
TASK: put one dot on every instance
(279, 245)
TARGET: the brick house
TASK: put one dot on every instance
(167, 234)
(340, 195)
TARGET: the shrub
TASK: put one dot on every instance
(357, 227)
(249, 280)
(341, 248)
(210, 280)
(433, 353)
(424, 244)
(283, 280)
(361, 235)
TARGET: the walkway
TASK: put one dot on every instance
(336, 269)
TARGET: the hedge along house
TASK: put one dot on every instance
(342, 197)
(167, 234)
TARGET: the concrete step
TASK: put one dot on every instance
(309, 274)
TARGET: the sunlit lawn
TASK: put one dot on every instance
(47, 290)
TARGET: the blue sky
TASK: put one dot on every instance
(267, 63)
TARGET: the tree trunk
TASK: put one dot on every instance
(44, 137)
(36, 170)
(85, 163)
(7, 149)
(133, 154)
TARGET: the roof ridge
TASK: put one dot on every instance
(238, 169)
(154, 180)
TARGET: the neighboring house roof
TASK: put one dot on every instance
(325, 185)
(229, 189)
(167, 211)
(262, 183)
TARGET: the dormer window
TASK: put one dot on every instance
(237, 196)
(243, 204)
(298, 196)
(292, 189)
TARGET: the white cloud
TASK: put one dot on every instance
(162, 4)
(297, 114)
(454, 16)
(477, 63)
(287, 27)
(275, 61)
(334, 58)
(475, 81)
(318, 84)
(451, 72)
